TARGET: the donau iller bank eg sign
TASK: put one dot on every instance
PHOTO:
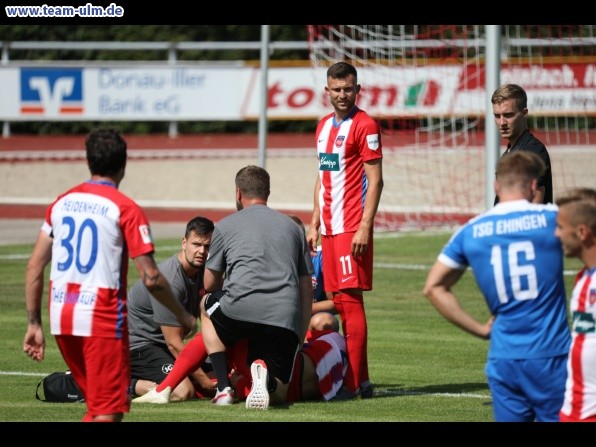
(185, 92)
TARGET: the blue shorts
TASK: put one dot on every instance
(527, 390)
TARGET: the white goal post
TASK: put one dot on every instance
(426, 84)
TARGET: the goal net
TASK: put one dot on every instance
(425, 84)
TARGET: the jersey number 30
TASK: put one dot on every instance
(86, 226)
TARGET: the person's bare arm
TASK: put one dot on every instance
(374, 175)
(212, 280)
(174, 338)
(315, 222)
(324, 306)
(34, 341)
(437, 289)
(200, 378)
(159, 287)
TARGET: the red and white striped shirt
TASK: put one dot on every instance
(580, 389)
(95, 229)
(342, 149)
(328, 354)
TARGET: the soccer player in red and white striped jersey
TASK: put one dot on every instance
(346, 198)
(88, 234)
(576, 228)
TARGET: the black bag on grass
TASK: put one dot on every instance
(59, 387)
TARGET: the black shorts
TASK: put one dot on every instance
(275, 345)
(151, 362)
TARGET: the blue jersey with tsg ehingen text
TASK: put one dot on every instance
(517, 262)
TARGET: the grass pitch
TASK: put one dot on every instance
(424, 368)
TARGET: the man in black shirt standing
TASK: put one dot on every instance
(510, 109)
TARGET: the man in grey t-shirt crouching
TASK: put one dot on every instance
(259, 274)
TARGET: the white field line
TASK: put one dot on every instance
(378, 392)
(22, 373)
(406, 392)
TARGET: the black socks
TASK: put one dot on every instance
(219, 361)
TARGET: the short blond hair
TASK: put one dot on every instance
(582, 203)
(519, 168)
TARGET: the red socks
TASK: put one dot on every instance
(355, 330)
(191, 358)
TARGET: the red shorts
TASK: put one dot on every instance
(101, 368)
(340, 269)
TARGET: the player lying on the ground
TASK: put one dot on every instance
(318, 370)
